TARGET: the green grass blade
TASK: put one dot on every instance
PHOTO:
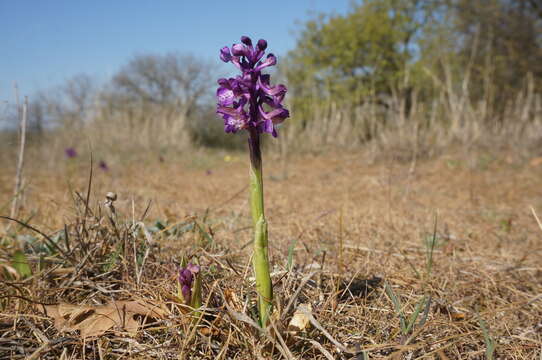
(425, 312)
(19, 261)
(415, 314)
(398, 307)
(205, 235)
(291, 250)
(490, 343)
(431, 248)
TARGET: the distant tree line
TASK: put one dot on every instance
(351, 76)
(155, 100)
(412, 49)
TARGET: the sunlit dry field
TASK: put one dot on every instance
(361, 241)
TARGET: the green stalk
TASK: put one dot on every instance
(260, 257)
(195, 302)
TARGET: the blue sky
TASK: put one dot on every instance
(44, 42)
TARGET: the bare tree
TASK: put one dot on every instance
(168, 87)
(507, 37)
(78, 96)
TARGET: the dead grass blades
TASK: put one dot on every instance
(402, 285)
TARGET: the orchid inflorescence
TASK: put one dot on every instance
(249, 101)
(70, 152)
(103, 165)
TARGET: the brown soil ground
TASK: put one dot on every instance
(341, 219)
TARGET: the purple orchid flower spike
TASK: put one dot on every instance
(248, 101)
(103, 165)
(70, 152)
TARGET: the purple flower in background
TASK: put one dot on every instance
(102, 165)
(70, 152)
(186, 279)
(249, 101)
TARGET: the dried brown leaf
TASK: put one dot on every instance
(95, 320)
(232, 299)
(300, 320)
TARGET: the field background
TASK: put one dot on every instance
(356, 218)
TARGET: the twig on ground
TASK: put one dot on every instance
(20, 160)
(317, 325)
(536, 218)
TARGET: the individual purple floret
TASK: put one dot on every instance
(103, 165)
(186, 278)
(70, 152)
(249, 101)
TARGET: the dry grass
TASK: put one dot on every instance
(424, 126)
(351, 228)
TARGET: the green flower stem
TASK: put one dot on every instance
(260, 257)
